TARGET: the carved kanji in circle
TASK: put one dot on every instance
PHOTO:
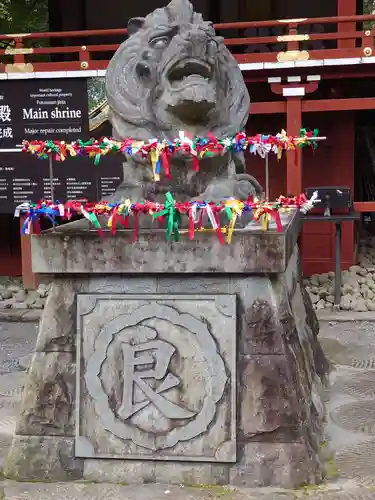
(157, 353)
(147, 378)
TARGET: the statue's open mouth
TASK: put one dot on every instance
(189, 72)
(191, 93)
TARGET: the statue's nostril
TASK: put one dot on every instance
(143, 70)
(146, 55)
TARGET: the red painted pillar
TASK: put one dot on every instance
(346, 8)
(294, 92)
(294, 158)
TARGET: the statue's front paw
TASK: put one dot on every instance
(246, 185)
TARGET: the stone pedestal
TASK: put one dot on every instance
(189, 362)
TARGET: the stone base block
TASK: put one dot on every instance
(287, 465)
(137, 472)
(43, 458)
(237, 397)
(48, 401)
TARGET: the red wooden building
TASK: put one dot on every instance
(309, 64)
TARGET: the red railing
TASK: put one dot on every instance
(260, 41)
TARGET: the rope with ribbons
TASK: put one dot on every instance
(158, 151)
(169, 214)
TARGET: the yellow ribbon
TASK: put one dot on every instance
(71, 150)
(231, 227)
(121, 208)
(265, 221)
(207, 230)
(236, 208)
(154, 155)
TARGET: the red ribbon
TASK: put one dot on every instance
(200, 220)
(165, 162)
(191, 224)
(276, 216)
(195, 163)
(218, 229)
(114, 221)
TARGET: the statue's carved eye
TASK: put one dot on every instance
(160, 42)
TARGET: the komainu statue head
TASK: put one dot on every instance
(173, 73)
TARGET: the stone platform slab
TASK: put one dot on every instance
(252, 251)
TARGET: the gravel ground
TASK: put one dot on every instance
(350, 426)
(16, 340)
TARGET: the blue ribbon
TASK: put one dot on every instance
(32, 217)
(157, 167)
(49, 212)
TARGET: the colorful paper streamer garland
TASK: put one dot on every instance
(158, 151)
(170, 213)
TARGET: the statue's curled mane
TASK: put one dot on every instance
(142, 91)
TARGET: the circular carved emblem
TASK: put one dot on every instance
(142, 376)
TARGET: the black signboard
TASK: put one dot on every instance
(24, 178)
(39, 109)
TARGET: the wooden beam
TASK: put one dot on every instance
(364, 206)
(311, 106)
(267, 108)
(331, 75)
(352, 104)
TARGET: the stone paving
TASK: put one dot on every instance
(13, 297)
(350, 427)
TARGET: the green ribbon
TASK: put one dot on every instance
(229, 213)
(315, 133)
(94, 220)
(173, 217)
(49, 145)
(97, 159)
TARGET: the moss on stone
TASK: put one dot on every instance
(218, 490)
(331, 471)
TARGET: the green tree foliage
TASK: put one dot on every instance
(23, 16)
(31, 16)
(96, 92)
(368, 6)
